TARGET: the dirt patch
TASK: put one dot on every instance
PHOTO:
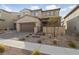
(17, 51)
(63, 40)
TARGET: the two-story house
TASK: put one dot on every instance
(43, 17)
(28, 20)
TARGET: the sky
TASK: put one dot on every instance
(64, 8)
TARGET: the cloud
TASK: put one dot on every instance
(34, 7)
(65, 11)
(51, 7)
(6, 8)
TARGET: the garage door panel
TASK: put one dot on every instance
(27, 27)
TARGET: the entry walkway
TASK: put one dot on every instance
(47, 49)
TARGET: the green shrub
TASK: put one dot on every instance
(27, 36)
(22, 39)
(39, 41)
(44, 34)
(35, 52)
(77, 34)
(61, 34)
(2, 48)
(71, 44)
(55, 41)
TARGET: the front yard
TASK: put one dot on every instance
(67, 41)
(62, 40)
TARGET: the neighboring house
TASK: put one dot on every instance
(1, 23)
(71, 21)
(8, 19)
(16, 16)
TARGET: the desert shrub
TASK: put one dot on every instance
(5, 29)
(39, 41)
(61, 34)
(27, 36)
(35, 52)
(22, 39)
(43, 38)
(44, 34)
(71, 44)
(55, 41)
(2, 31)
(77, 34)
(2, 48)
(30, 34)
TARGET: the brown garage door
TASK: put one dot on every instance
(27, 27)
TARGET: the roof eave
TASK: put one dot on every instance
(71, 11)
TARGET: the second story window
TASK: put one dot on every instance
(18, 16)
(75, 28)
(56, 13)
(48, 13)
(33, 13)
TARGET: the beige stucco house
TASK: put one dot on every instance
(28, 20)
(71, 21)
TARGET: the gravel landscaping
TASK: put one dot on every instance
(17, 51)
(62, 40)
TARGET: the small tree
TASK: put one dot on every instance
(39, 41)
(52, 21)
(72, 44)
(35, 52)
(55, 41)
(2, 20)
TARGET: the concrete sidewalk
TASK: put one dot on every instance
(47, 49)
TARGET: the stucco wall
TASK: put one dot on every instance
(71, 16)
(27, 19)
(73, 25)
(53, 13)
(9, 19)
(50, 30)
(38, 13)
(1, 24)
(15, 15)
(18, 27)
(25, 12)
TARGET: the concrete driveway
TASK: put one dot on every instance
(12, 35)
